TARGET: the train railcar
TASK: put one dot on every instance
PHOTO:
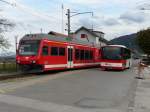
(44, 52)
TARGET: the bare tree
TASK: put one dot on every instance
(5, 25)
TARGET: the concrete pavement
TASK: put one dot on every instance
(142, 95)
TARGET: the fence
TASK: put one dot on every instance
(8, 66)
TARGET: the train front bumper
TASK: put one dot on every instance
(30, 68)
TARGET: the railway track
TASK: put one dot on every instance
(15, 76)
(20, 75)
(28, 75)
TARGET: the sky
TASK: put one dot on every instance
(113, 17)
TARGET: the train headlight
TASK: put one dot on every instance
(18, 61)
(33, 61)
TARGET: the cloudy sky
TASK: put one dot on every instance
(113, 17)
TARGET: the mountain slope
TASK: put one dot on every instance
(128, 41)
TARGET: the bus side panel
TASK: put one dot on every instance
(128, 63)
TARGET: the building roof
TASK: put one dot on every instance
(99, 32)
(57, 34)
(92, 33)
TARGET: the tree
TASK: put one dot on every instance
(143, 39)
(4, 26)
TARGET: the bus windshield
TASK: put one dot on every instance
(113, 53)
(29, 47)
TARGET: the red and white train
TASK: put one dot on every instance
(44, 52)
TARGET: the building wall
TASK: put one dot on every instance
(92, 39)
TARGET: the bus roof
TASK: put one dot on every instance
(116, 46)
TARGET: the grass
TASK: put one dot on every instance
(7, 67)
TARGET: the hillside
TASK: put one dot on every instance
(127, 40)
(9, 56)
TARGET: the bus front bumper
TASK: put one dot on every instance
(108, 65)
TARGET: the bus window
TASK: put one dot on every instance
(113, 53)
(126, 54)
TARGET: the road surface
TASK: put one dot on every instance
(89, 90)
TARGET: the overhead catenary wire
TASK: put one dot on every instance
(26, 9)
(62, 7)
(39, 15)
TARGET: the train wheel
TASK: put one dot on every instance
(103, 69)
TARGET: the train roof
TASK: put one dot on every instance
(51, 37)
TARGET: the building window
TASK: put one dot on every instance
(84, 36)
(54, 51)
(45, 51)
(61, 51)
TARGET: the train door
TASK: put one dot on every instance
(70, 57)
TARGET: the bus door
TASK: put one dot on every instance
(70, 57)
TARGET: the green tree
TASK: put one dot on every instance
(5, 25)
(143, 39)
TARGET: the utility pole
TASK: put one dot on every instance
(68, 24)
(16, 42)
(69, 17)
(16, 45)
(62, 17)
(41, 30)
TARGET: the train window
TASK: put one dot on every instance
(45, 50)
(91, 55)
(82, 55)
(54, 51)
(61, 51)
(86, 55)
(99, 53)
(77, 54)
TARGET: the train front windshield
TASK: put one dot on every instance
(112, 53)
(29, 47)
